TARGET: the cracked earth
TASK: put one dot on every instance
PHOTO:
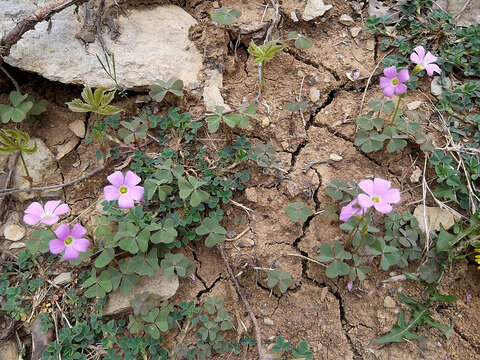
(337, 324)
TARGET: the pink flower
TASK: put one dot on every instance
(48, 214)
(352, 208)
(71, 241)
(425, 61)
(392, 82)
(123, 189)
(378, 194)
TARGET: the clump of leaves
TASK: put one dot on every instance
(97, 102)
(12, 140)
(264, 53)
(225, 17)
(159, 90)
(22, 107)
(281, 278)
(298, 212)
(301, 352)
(233, 119)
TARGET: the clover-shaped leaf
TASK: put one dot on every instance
(165, 232)
(191, 187)
(177, 263)
(281, 345)
(213, 303)
(216, 233)
(225, 16)
(159, 90)
(280, 278)
(298, 211)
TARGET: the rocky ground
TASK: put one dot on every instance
(313, 150)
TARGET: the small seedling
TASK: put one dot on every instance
(23, 107)
(12, 140)
(264, 53)
(226, 17)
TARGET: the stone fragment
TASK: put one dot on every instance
(153, 44)
(346, 19)
(436, 86)
(8, 350)
(251, 194)
(17, 245)
(336, 157)
(247, 242)
(78, 128)
(293, 16)
(314, 9)
(416, 175)
(63, 279)
(41, 164)
(370, 45)
(211, 92)
(435, 216)
(65, 149)
(159, 286)
(414, 105)
(13, 232)
(268, 322)
(314, 94)
(354, 31)
(388, 302)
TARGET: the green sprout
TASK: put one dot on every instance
(12, 140)
(264, 53)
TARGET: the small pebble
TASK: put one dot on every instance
(63, 279)
(414, 105)
(268, 321)
(346, 19)
(416, 175)
(246, 243)
(314, 94)
(388, 302)
(336, 157)
(17, 245)
(354, 31)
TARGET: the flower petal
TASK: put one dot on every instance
(125, 201)
(383, 207)
(365, 201)
(35, 209)
(388, 91)
(116, 179)
(136, 192)
(420, 50)
(429, 58)
(31, 219)
(367, 186)
(392, 196)
(400, 89)
(414, 58)
(390, 72)
(111, 192)
(51, 205)
(346, 213)
(403, 75)
(62, 209)
(81, 244)
(78, 231)
(431, 68)
(50, 220)
(381, 186)
(131, 179)
(56, 246)
(62, 232)
(384, 82)
(70, 253)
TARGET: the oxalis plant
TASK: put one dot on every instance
(399, 243)
(14, 140)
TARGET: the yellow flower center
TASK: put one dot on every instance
(68, 240)
(375, 199)
(395, 81)
(123, 189)
(46, 216)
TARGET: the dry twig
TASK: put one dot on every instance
(245, 302)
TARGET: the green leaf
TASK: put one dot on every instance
(302, 351)
(105, 281)
(198, 196)
(396, 144)
(298, 211)
(177, 263)
(337, 268)
(95, 291)
(340, 252)
(166, 233)
(38, 241)
(326, 253)
(185, 188)
(128, 282)
(225, 16)
(402, 331)
(233, 119)
(280, 278)
(213, 123)
(104, 258)
(303, 42)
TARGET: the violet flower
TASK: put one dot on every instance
(392, 82)
(378, 194)
(350, 286)
(352, 208)
(48, 214)
(124, 189)
(424, 61)
(71, 241)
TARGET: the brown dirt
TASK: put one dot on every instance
(336, 324)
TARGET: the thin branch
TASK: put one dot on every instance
(245, 302)
(9, 176)
(28, 23)
(457, 15)
(15, 83)
(42, 188)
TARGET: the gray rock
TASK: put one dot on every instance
(153, 45)
(63, 279)
(246, 243)
(41, 164)
(416, 175)
(8, 350)
(314, 9)
(469, 15)
(346, 19)
(78, 128)
(388, 302)
(268, 322)
(436, 86)
(414, 105)
(66, 148)
(211, 92)
(435, 216)
(17, 245)
(355, 31)
(314, 94)
(159, 286)
(13, 232)
(335, 157)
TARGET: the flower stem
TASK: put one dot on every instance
(49, 227)
(262, 72)
(134, 217)
(396, 109)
